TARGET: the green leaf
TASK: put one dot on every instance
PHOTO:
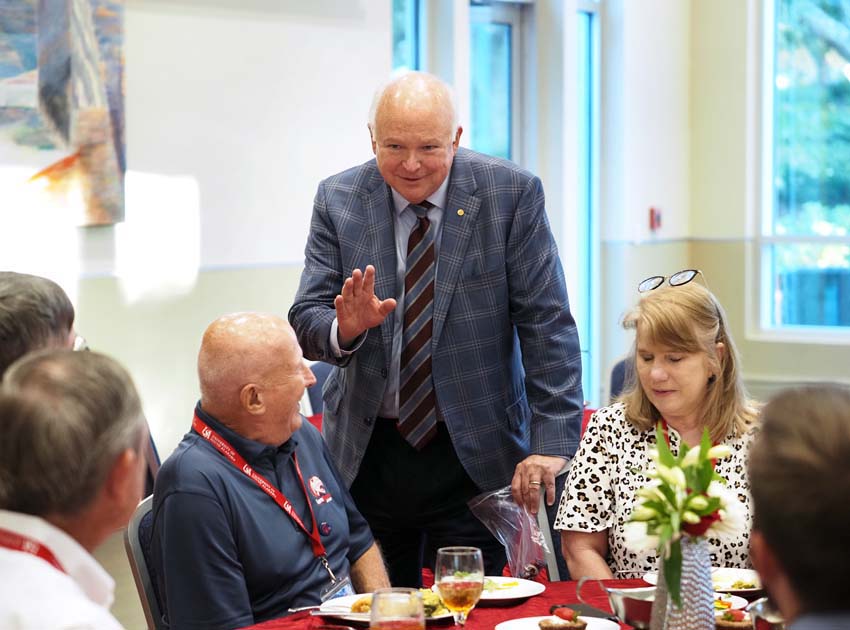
(665, 533)
(673, 573)
(706, 474)
(658, 506)
(704, 444)
(713, 504)
(668, 493)
(665, 456)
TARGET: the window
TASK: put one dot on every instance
(805, 243)
(587, 91)
(494, 52)
(406, 35)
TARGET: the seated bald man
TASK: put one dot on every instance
(250, 517)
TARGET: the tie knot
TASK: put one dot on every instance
(421, 209)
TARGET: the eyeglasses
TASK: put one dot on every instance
(676, 280)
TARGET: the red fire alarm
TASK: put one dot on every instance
(654, 219)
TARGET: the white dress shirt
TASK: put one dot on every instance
(35, 595)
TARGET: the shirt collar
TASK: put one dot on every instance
(438, 197)
(249, 449)
(78, 563)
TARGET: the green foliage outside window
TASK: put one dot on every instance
(812, 128)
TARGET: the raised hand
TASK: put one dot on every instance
(358, 308)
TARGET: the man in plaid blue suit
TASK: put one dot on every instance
(504, 352)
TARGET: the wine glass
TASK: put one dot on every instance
(459, 575)
(397, 609)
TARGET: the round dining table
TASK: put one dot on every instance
(482, 617)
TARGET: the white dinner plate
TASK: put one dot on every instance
(722, 578)
(530, 623)
(499, 589)
(737, 603)
(340, 608)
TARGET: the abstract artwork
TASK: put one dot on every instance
(62, 102)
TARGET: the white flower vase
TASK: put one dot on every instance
(697, 610)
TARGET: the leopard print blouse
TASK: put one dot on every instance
(600, 490)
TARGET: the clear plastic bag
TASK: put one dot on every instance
(515, 528)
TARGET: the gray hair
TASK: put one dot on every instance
(407, 75)
(35, 313)
(65, 417)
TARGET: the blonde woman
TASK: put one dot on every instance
(688, 380)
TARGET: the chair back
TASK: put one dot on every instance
(621, 377)
(137, 543)
(320, 371)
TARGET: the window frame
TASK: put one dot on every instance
(508, 13)
(760, 303)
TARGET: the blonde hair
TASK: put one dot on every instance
(688, 318)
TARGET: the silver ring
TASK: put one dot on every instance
(533, 483)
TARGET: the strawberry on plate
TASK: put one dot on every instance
(733, 620)
(565, 619)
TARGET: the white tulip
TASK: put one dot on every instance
(698, 502)
(719, 452)
(643, 513)
(691, 457)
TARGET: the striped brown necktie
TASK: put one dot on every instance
(416, 400)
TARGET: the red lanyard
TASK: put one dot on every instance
(224, 447)
(18, 542)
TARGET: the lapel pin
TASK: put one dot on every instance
(460, 212)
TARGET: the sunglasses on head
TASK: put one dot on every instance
(676, 280)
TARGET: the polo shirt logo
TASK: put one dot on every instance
(317, 487)
(30, 547)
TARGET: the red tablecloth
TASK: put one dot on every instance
(485, 617)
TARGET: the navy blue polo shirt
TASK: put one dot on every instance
(225, 554)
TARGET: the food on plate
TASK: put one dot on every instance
(432, 603)
(564, 619)
(362, 604)
(722, 602)
(729, 579)
(493, 585)
(733, 620)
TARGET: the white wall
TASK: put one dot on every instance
(645, 138)
(646, 124)
(257, 101)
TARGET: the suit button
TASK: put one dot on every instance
(384, 372)
(368, 421)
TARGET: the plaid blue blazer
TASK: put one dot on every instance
(505, 351)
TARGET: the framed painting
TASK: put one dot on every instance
(62, 102)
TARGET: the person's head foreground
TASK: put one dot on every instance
(73, 438)
(800, 482)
